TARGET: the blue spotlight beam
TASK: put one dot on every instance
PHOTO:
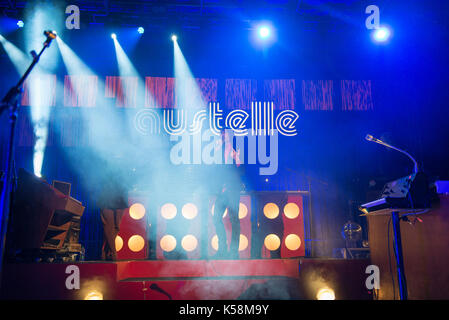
(188, 94)
(10, 101)
(126, 68)
(19, 59)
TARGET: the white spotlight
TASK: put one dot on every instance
(325, 294)
(264, 32)
(113, 36)
(174, 37)
(381, 35)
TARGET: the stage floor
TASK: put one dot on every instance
(184, 279)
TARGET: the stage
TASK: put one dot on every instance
(262, 279)
(224, 150)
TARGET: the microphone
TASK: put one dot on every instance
(50, 34)
(369, 137)
(155, 287)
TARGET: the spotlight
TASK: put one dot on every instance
(94, 295)
(113, 36)
(325, 294)
(381, 35)
(264, 32)
(140, 30)
(174, 37)
(20, 24)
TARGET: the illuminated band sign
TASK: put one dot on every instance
(262, 119)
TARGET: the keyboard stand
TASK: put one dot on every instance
(396, 219)
(397, 244)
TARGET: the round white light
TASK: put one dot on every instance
(382, 34)
(264, 32)
(168, 211)
(325, 294)
(137, 211)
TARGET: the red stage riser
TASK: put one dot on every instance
(190, 279)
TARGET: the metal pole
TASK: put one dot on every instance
(10, 102)
(398, 253)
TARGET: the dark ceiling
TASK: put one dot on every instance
(194, 13)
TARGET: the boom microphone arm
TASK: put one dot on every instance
(372, 139)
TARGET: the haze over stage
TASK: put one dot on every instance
(134, 104)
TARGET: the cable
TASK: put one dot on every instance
(389, 257)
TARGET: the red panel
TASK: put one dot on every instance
(356, 95)
(189, 227)
(130, 227)
(281, 225)
(294, 226)
(240, 93)
(161, 231)
(124, 89)
(42, 81)
(281, 92)
(128, 270)
(80, 91)
(317, 94)
(159, 92)
(245, 227)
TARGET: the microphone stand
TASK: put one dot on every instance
(396, 218)
(10, 101)
(372, 139)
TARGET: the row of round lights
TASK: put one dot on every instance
(190, 242)
(271, 210)
(292, 241)
(190, 211)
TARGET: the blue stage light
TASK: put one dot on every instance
(140, 30)
(264, 32)
(20, 24)
(381, 35)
